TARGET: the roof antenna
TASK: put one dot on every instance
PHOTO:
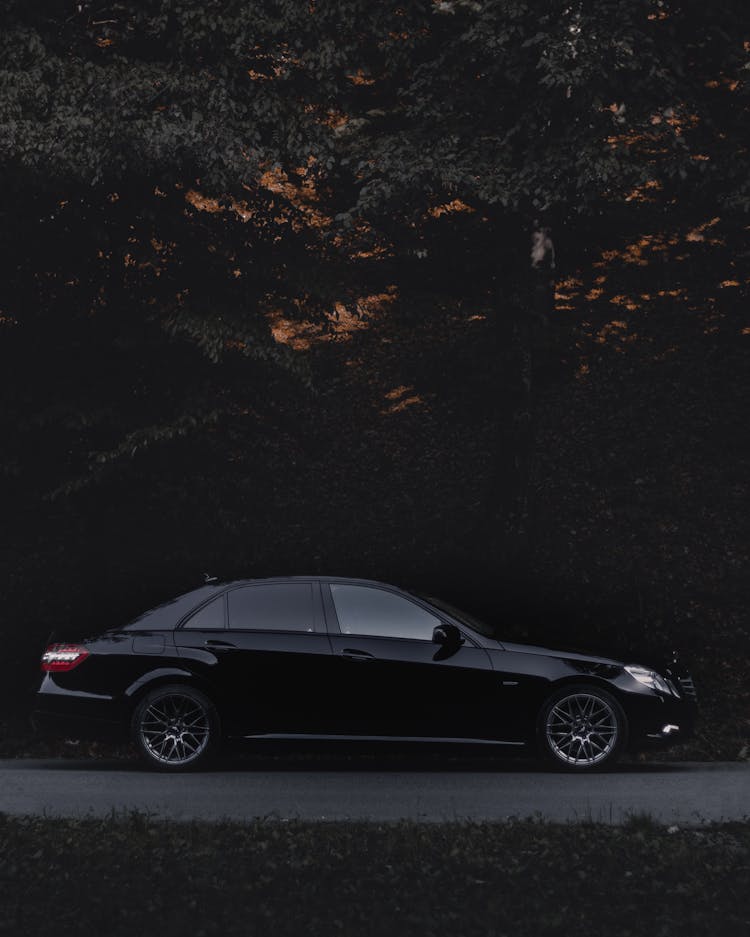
(207, 578)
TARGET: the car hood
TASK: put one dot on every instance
(659, 661)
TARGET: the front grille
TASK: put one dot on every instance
(688, 688)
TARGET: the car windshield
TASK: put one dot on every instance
(476, 623)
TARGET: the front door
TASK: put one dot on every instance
(391, 679)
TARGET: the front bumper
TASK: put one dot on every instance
(669, 734)
(659, 722)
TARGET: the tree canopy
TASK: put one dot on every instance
(207, 205)
(192, 168)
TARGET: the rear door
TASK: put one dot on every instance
(271, 657)
(392, 680)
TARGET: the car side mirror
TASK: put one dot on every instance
(447, 635)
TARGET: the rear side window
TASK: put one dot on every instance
(209, 617)
(273, 607)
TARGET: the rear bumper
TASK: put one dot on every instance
(77, 715)
(57, 725)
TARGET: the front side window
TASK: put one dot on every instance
(371, 611)
(273, 607)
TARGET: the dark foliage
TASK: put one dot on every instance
(131, 874)
(267, 306)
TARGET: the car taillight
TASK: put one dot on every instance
(63, 656)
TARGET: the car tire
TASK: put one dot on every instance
(175, 728)
(581, 728)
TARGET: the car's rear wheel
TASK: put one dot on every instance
(175, 728)
(581, 728)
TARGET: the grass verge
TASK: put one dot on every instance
(136, 875)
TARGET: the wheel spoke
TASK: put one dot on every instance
(199, 720)
(605, 719)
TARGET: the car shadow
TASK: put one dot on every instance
(353, 761)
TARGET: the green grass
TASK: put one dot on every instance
(133, 875)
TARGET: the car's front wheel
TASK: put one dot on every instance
(581, 728)
(175, 728)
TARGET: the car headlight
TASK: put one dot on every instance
(649, 678)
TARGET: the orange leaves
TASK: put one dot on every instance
(644, 192)
(639, 253)
(340, 324)
(359, 78)
(202, 203)
(698, 233)
(297, 335)
(617, 331)
(728, 84)
(401, 398)
(565, 291)
(626, 301)
(447, 208)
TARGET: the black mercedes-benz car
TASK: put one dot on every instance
(334, 659)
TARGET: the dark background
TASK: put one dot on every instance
(267, 307)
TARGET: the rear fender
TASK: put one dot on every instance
(161, 675)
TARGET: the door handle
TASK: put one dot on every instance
(220, 644)
(351, 654)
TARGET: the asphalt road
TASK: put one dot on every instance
(378, 789)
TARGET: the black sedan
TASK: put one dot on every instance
(333, 659)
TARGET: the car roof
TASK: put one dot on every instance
(169, 613)
(280, 579)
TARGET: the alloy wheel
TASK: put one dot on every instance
(175, 729)
(581, 729)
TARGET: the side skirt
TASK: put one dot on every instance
(302, 737)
